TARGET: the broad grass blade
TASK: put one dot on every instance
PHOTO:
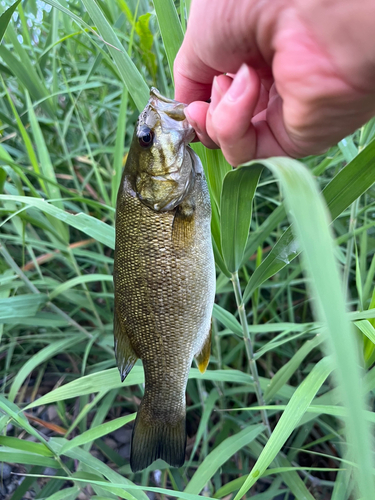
(312, 231)
(235, 213)
(97, 466)
(350, 183)
(21, 306)
(79, 280)
(119, 146)
(6, 17)
(67, 494)
(28, 446)
(24, 69)
(23, 457)
(110, 379)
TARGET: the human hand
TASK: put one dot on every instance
(304, 73)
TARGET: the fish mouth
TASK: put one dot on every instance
(170, 114)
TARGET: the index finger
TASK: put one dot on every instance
(192, 77)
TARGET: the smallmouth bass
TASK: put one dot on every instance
(164, 276)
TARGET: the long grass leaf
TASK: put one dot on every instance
(301, 194)
(97, 432)
(89, 225)
(352, 181)
(296, 408)
(220, 455)
(129, 73)
(37, 359)
(5, 18)
(170, 28)
(235, 213)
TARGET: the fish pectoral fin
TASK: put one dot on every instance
(203, 357)
(183, 225)
(125, 355)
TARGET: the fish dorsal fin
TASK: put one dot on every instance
(125, 355)
(203, 357)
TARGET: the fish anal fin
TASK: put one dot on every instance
(125, 355)
(203, 357)
(183, 229)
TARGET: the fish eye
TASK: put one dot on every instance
(146, 137)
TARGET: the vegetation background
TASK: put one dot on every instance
(285, 409)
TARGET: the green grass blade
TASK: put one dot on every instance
(66, 494)
(79, 280)
(6, 17)
(258, 237)
(110, 379)
(28, 446)
(294, 411)
(209, 405)
(21, 306)
(23, 457)
(287, 371)
(38, 358)
(227, 319)
(129, 73)
(89, 225)
(350, 183)
(220, 455)
(367, 329)
(312, 230)
(170, 28)
(25, 70)
(216, 169)
(47, 168)
(97, 466)
(97, 432)
(119, 147)
(236, 208)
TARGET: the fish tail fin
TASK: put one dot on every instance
(155, 439)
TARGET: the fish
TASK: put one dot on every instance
(164, 276)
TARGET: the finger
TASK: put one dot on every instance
(196, 115)
(211, 48)
(189, 87)
(275, 139)
(196, 112)
(229, 124)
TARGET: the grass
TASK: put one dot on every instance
(285, 407)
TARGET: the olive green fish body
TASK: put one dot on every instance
(164, 290)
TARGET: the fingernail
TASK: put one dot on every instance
(239, 84)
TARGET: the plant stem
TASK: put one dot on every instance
(350, 244)
(249, 348)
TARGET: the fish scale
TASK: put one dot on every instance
(164, 279)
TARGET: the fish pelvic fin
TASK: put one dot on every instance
(156, 439)
(203, 357)
(125, 355)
